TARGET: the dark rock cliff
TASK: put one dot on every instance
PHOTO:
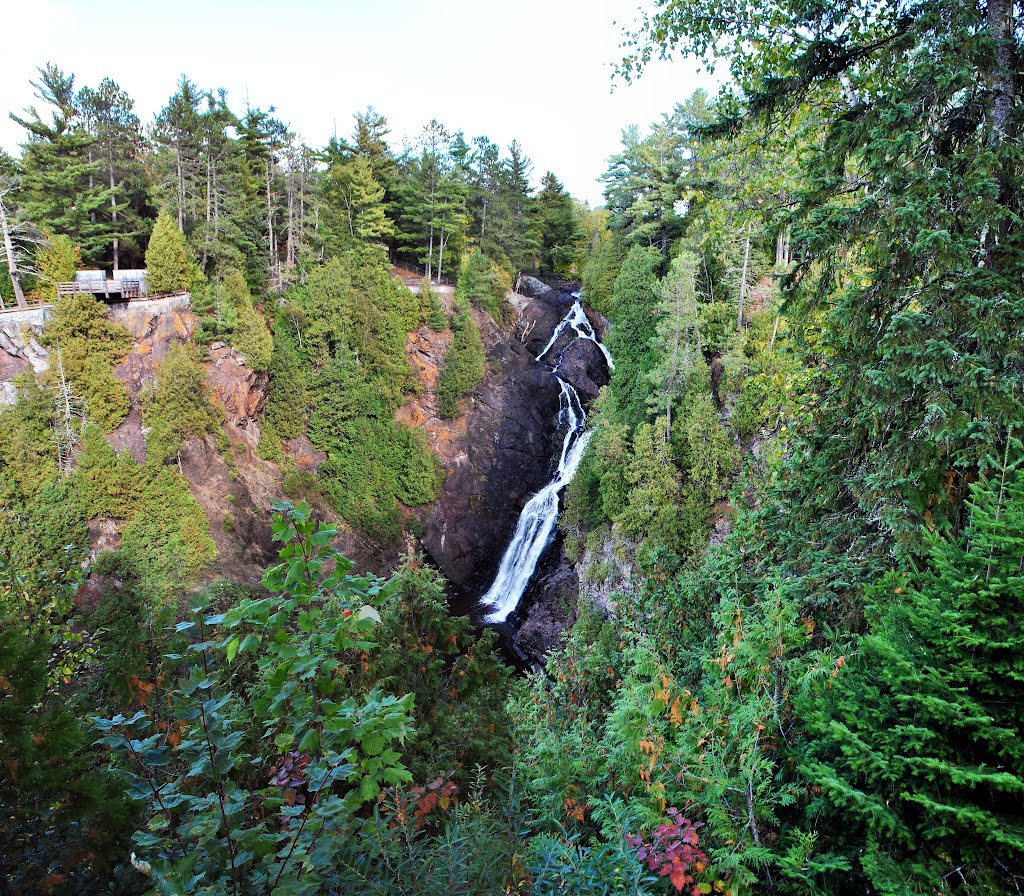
(508, 449)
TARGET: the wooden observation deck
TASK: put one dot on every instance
(122, 287)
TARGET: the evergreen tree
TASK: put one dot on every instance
(88, 344)
(57, 261)
(62, 185)
(168, 260)
(917, 744)
(355, 212)
(644, 184)
(463, 366)
(459, 679)
(677, 341)
(178, 407)
(250, 334)
(107, 114)
(561, 230)
(634, 300)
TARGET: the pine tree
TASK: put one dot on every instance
(354, 211)
(63, 186)
(561, 231)
(168, 260)
(108, 115)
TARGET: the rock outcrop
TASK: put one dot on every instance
(20, 350)
(240, 390)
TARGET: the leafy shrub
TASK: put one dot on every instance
(458, 676)
(254, 800)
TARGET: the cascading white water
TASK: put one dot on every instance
(537, 521)
(577, 319)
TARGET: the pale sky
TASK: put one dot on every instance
(533, 70)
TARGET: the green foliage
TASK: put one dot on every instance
(433, 307)
(178, 406)
(62, 816)
(286, 403)
(482, 284)
(27, 447)
(57, 261)
(371, 460)
(717, 325)
(243, 801)
(168, 260)
(168, 535)
(559, 220)
(915, 743)
(603, 257)
(217, 313)
(438, 839)
(355, 202)
(634, 326)
(89, 344)
(250, 334)
(459, 678)
(463, 366)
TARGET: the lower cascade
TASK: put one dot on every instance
(536, 523)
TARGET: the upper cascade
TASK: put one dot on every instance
(577, 319)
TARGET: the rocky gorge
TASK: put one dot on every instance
(499, 452)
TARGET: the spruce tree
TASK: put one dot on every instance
(168, 259)
(634, 327)
(917, 745)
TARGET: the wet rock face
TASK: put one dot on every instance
(508, 452)
(505, 456)
(582, 366)
(549, 605)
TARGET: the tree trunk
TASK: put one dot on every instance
(440, 256)
(1001, 29)
(430, 251)
(272, 248)
(216, 206)
(12, 267)
(181, 190)
(743, 281)
(113, 213)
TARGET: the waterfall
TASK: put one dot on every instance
(577, 319)
(537, 521)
